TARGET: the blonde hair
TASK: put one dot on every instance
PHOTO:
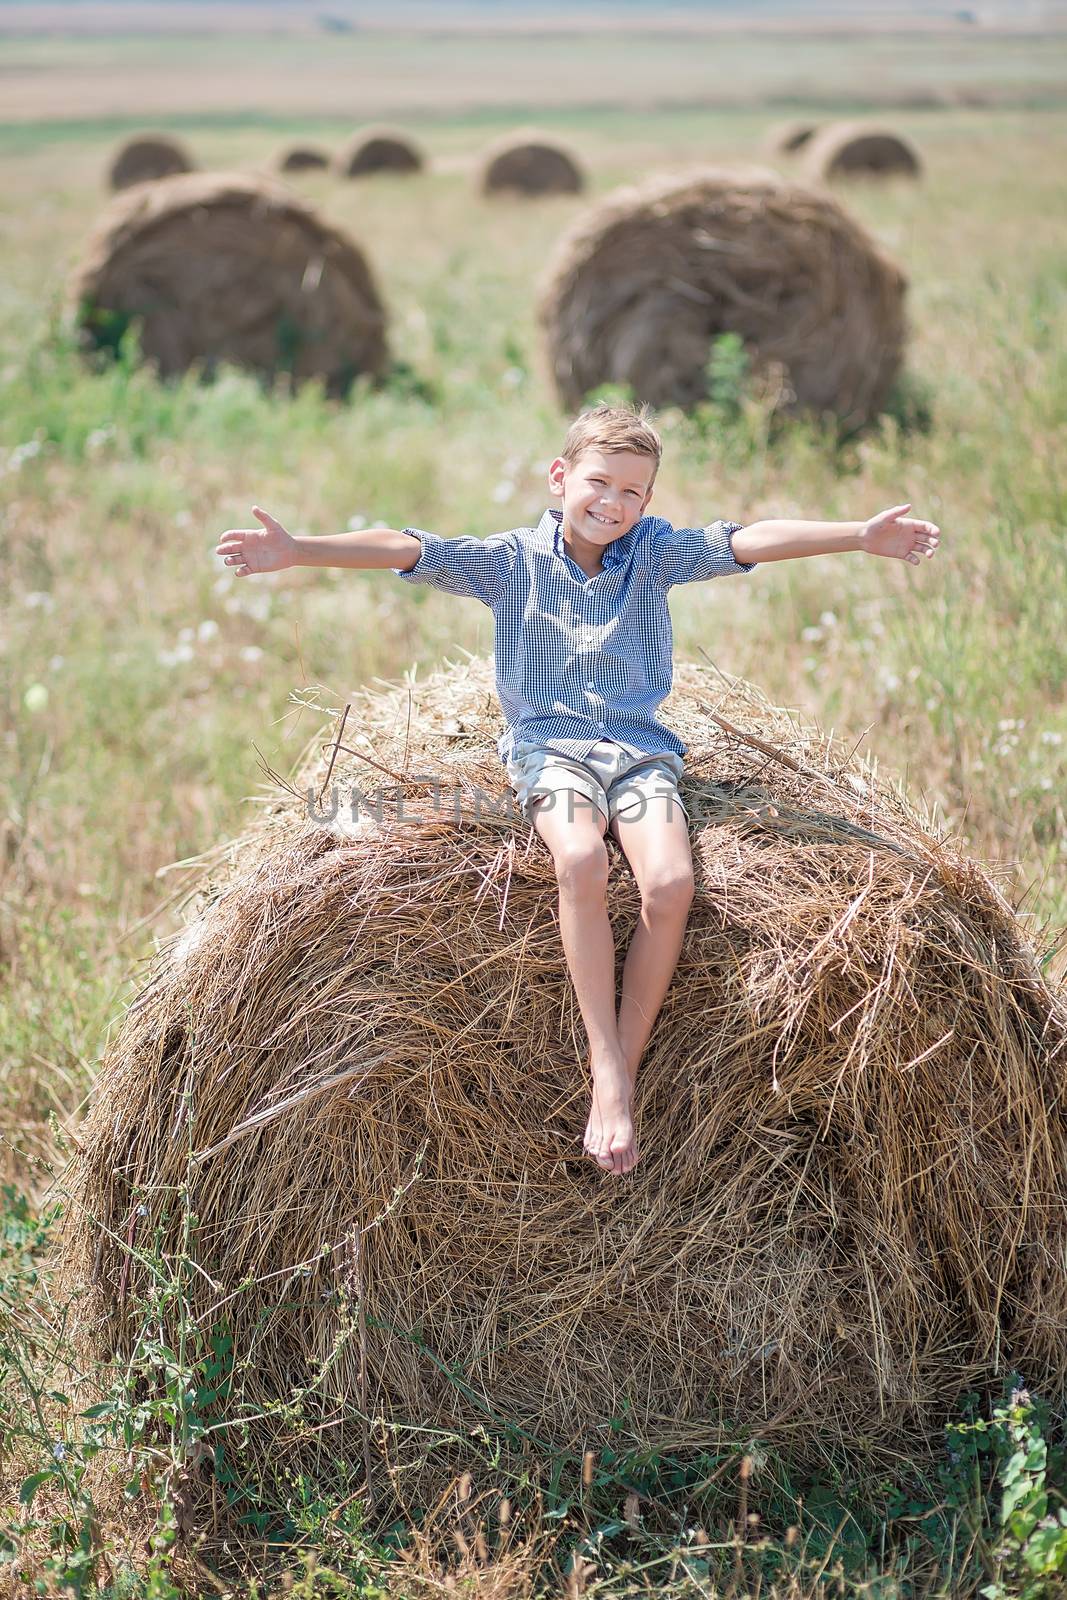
(613, 429)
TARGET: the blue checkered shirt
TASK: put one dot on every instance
(579, 659)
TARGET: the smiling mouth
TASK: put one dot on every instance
(605, 522)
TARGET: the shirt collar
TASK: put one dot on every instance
(552, 525)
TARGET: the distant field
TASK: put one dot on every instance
(223, 69)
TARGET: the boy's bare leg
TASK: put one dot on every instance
(655, 841)
(573, 829)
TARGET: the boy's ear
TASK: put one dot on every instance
(555, 475)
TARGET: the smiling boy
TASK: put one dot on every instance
(583, 652)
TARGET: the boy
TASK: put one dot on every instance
(583, 660)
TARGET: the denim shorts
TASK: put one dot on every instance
(610, 777)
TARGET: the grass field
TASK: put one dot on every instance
(142, 686)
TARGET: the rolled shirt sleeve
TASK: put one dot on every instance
(477, 569)
(689, 555)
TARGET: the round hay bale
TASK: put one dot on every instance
(530, 167)
(379, 150)
(302, 158)
(644, 282)
(146, 158)
(220, 267)
(786, 138)
(857, 150)
(362, 1062)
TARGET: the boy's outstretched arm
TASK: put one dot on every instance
(890, 533)
(271, 548)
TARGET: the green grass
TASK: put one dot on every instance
(164, 677)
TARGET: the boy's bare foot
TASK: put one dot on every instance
(609, 1133)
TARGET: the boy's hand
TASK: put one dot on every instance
(894, 533)
(266, 549)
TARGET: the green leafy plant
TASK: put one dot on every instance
(1032, 1552)
(728, 371)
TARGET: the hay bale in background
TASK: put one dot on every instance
(851, 1204)
(640, 286)
(786, 138)
(530, 167)
(379, 150)
(146, 158)
(857, 150)
(222, 267)
(302, 158)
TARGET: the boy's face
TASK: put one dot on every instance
(603, 493)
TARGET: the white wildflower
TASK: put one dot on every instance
(811, 635)
(251, 652)
(176, 657)
(98, 439)
(208, 629)
(39, 600)
(1050, 737)
(503, 492)
(357, 522)
(828, 620)
(23, 452)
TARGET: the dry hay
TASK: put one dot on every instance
(530, 166)
(302, 158)
(786, 138)
(851, 1201)
(379, 150)
(857, 150)
(221, 267)
(645, 281)
(146, 158)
